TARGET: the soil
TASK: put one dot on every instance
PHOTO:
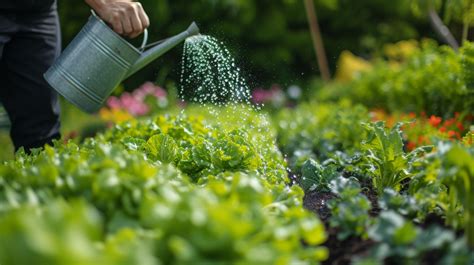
(316, 203)
(372, 196)
(343, 252)
(433, 219)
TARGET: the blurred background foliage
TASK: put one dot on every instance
(270, 38)
(375, 51)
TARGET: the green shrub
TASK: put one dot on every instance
(435, 80)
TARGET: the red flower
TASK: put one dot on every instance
(411, 146)
(449, 122)
(442, 129)
(435, 121)
(460, 126)
(412, 115)
(451, 133)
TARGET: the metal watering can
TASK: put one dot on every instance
(98, 59)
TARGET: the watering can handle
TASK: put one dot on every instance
(145, 33)
(145, 40)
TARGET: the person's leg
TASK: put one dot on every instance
(7, 28)
(31, 103)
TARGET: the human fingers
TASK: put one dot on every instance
(136, 22)
(143, 16)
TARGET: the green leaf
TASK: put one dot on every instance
(163, 148)
(133, 143)
(405, 234)
(311, 175)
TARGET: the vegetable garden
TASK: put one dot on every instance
(378, 169)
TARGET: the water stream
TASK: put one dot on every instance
(211, 77)
(209, 73)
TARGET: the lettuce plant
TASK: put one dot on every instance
(385, 160)
(316, 177)
(349, 211)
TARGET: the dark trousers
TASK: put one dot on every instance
(29, 43)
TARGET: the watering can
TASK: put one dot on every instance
(98, 60)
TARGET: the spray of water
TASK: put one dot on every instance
(210, 77)
(209, 73)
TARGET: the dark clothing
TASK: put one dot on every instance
(29, 44)
(26, 5)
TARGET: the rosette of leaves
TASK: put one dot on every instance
(233, 151)
(315, 177)
(399, 241)
(404, 204)
(386, 160)
(163, 148)
(232, 219)
(196, 157)
(350, 210)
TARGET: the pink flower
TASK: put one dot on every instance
(114, 103)
(134, 103)
(260, 95)
(139, 94)
(127, 99)
(148, 88)
(160, 92)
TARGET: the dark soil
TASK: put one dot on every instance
(342, 252)
(373, 198)
(433, 219)
(316, 203)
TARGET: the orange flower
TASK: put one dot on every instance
(435, 121)
(442, 129)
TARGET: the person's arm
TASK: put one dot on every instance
(124, 16)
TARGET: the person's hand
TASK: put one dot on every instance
(126, 17)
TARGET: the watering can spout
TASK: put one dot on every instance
(193, 29)
(155, 52)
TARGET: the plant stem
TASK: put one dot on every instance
(465, 30)
(470, 229)
(441, 29)
(317, 40)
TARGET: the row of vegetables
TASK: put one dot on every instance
(332, 183)
(207, 186)
(167, 190)
(407, 204)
